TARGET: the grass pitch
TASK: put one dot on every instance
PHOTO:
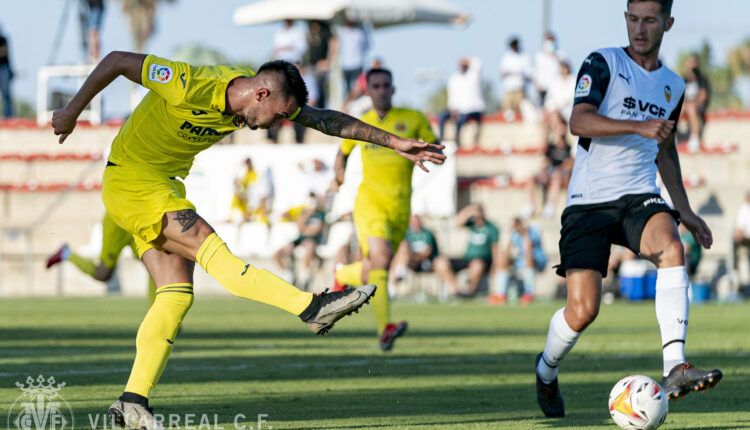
(467, 366)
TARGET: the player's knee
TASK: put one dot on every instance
(380, 260)
(673, 255)
(580, 315)
(103, 273)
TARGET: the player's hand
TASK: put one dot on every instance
(698, 227)
(419, 152)
(658, 129)
(63, 123)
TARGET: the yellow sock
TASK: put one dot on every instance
(151, 291)
(86, 265)
(351, 274)
(156, 336)
(381, 303)
(246, 281)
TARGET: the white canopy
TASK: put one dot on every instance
(380, 13)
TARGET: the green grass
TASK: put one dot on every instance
(465, 366)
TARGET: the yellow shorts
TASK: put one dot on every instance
(137, 200)
(374, 218)
(114, 239)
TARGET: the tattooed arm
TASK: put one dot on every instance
(339, 124)
(668, 161)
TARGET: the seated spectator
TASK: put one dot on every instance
(479, 253)
(252, 195)
(417, 252)
(311, 223)
(742, 230)
(558, 102)
(523, 257)
(465, 100)
(697, 97)
(693, 251)
(553, 176)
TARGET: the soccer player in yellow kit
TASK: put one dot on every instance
(114, 240)
(187, 110)
(383, 204)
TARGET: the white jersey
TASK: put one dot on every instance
(607, 168)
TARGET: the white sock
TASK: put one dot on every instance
(672, 309)
(502, 278)
(560, 340)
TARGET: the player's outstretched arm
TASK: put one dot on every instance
(116, 63)
(668, 161)
(339, 124)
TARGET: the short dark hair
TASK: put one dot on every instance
(666, 5)
(292, 83)
(377, 70)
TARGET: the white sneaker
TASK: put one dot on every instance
(133, 416)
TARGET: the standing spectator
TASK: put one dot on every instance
(515, 70)
(320, 46)
(697, 97)
(417, 251)
(289, 43)
(90, 14)
(547, 66)
(479, 255)
(6, 76)
(353, 44)
(313, 94)
(558, 99)
(525, 257)
(742, 230)
(253, 193)
(465, 100)
(357, 102)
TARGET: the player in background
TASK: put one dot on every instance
(114, 240)
(187, 110)
(383, 204)
(626, 108)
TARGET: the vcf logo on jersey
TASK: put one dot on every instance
(668, 93)
(646, 110)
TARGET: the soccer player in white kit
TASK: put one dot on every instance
(627, 104)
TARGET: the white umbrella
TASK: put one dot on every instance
(380, 13)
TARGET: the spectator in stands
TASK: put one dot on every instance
(320, 47)
(353, 44)
(558, 165)
(558, 103)
(313, 92)
(522, 257)
(693, 251)
(253, 192)
(742, 229)
(515, 72)
(465, 100)
(547, 63)
(697, 97)
(311, 224)
(289, 43)
(90, 14)
(417, 252)
(6, 76)
(479, 255)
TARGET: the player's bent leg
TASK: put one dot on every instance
(477, 269)
(186, 233)
(584, 289)
(103, 273)
(156, 335)
(379, 261)
(660, 243)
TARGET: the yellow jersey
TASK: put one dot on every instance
(385, 174)
(182, 115)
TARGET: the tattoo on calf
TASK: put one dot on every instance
(187, 218)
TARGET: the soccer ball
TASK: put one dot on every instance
(638, 402)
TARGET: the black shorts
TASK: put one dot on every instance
(589, 231)
(459, 264)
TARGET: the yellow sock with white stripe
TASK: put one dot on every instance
(247, 281)
(381, 303)
(350, 274)
(156, 336)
